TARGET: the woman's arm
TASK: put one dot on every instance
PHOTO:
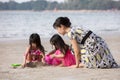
(76, 52)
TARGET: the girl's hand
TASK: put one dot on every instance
(43, 60)
(52, 55)
(23, 65)
(52, 52)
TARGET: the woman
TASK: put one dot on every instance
(89, 49)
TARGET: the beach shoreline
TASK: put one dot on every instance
(111, 10)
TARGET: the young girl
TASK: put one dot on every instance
(35, 50)
(61, 55)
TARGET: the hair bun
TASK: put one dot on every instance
(67, 20)
(62, 20)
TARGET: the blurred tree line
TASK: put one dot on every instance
(39, 5)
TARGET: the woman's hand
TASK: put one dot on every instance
(77, 66)
(74, 66)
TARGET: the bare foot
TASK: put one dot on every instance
(81, 65)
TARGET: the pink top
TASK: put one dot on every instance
(67, 60)
(35, 52)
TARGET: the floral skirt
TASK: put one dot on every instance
(95, 53)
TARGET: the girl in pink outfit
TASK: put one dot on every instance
(61, 55)
(35, 50)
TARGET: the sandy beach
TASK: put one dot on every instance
(12, 51)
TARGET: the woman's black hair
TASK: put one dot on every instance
(62, 21)
(35, 38)
(59, 43)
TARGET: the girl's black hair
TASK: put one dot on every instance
(62, 21)
(35, 38)
(59, 43)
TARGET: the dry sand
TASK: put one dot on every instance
(12, 52)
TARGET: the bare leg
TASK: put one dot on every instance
(29, 58)
(61, 65)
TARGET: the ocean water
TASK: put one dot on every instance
(20, 24)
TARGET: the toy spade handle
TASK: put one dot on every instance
(15, 65)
